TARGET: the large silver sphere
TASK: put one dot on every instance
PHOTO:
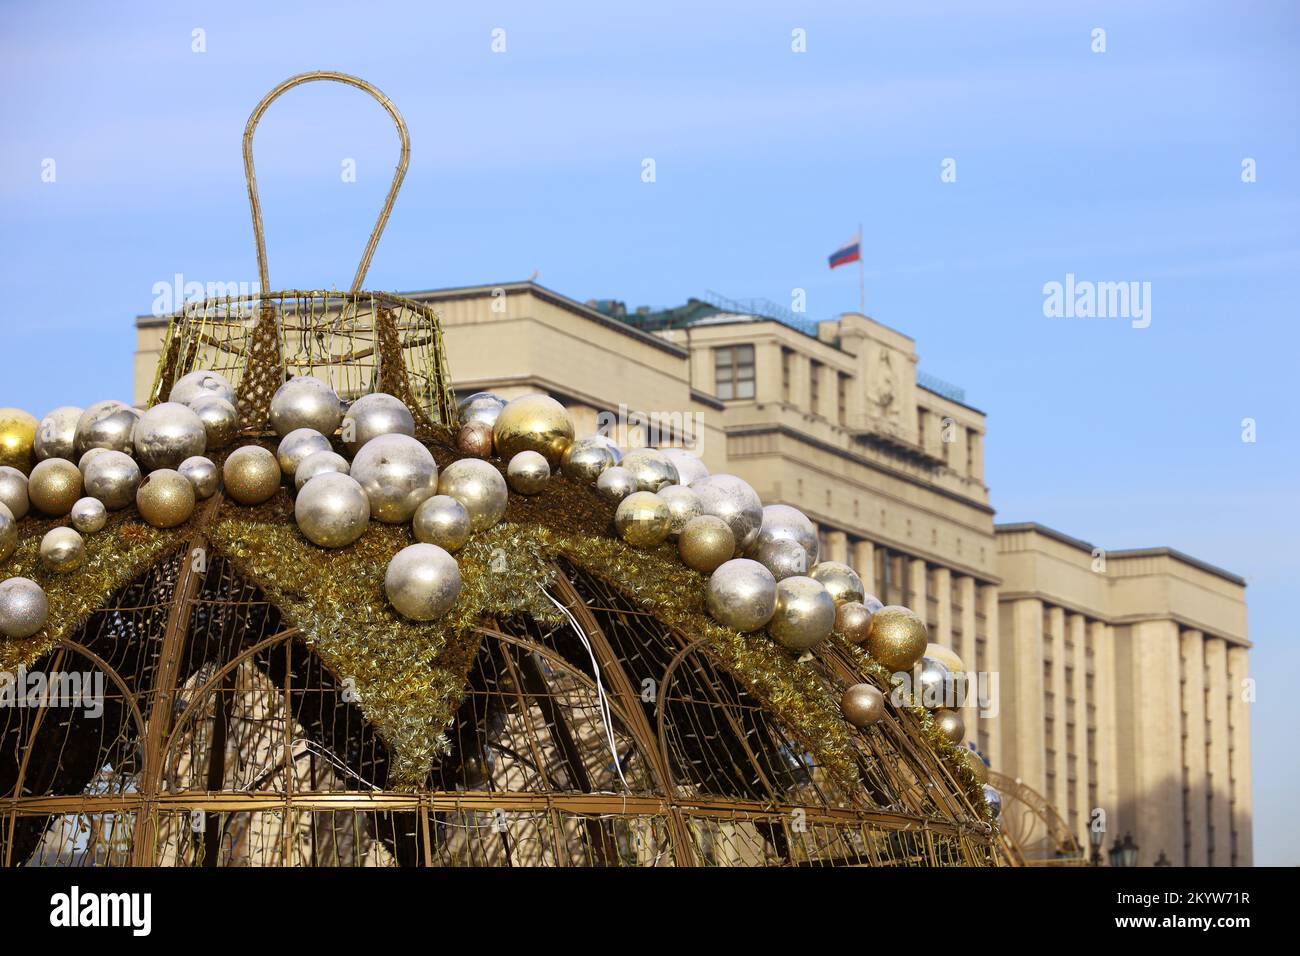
(87, 458)
(306, 402)
(296, 446)
(478, 486)
(651, 468)
(200, 384)
(8, 532)
(398, 474)
(742, 594)
(994, 800)
(804, 616)
(62, 550)
(113, 478)
(688, 464)
(934, 684)
(220, 420)
(528, 472)
(481, 407)
(202, 473)
(586, 459)
(13, 491)
(89, 515)
(784, 557)
(167, 434)
(373, 415)
(784, 523)
(422, 582)
(683, 505)
(735, 502)
(840, 579)
(319, 463)
(56, 435)
(108, 425)
(610, 445)
(332, 510)
(442, 520)
(616, 483)
(23, 607)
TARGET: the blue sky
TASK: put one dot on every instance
(1115, 166)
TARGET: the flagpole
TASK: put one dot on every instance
(862, 275)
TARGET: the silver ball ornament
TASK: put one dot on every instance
(332, 510)
(735, 502)
(482, 407)
(202, 473)
(742, 594)
(528, 472)
(296, 446)
(683, 505)
(24, 607)
(840, 579)
(167, 434)
(87, 458)
(8, 532)
(13, 491)
(804, 615)
(688, 464)
(994, 800)
(422, 582)
(651, 468)
(586, 459)
(109, 424)
(863, 705)
(56, 435)
(442, 520)
(319, 463)
(306, 402)
(479, 487)
(220, 420)
(784, 523)
(62, 550)
(934, 684)
(113, 478)
(200, 384)
(616, 483)
(398, 474)
(373, 415)
(89, 515)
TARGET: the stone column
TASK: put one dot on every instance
(1219, 782)
(1147, 693)
(916, 584)
(1102, 639)
(1194, 781)
(837, 544)
(996, 684)
(942, 633)
(1239, 713)
(864, 562)
(1079, 739)
(966, 651)
(1058, 743)
(1022, 692)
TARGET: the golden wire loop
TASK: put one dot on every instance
(398, 175)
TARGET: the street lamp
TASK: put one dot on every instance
(1124, 853)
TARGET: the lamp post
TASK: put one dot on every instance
(1125, 852)
(1096, 836)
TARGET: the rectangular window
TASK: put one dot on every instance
(815, 387)
(733, 367)
(842, 398)
(787, 358)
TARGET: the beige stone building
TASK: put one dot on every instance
(1120, 676)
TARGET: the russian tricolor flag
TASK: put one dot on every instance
(851, 251)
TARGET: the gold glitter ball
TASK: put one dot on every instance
(897, 638)
(251, 475)
(54, 486)
(705, 542)
(165, 498)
